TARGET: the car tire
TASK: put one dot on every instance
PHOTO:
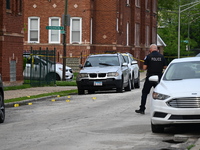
(157, 128)
(50, 77)
(81, 91)
(58, 77)
(137, 83)
(132, 82)
(128, 88)
(2, 109)
(120, 89)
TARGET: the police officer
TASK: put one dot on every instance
(154, 63)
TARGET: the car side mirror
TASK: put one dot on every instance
(133, 62)
(154, 78)
(125, 64)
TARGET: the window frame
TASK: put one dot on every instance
(8, 4)
(137, 3)
(137, 34)
(147, 37)
(50, 31)
(29, 30)
(71, 34)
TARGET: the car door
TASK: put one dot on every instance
(125, 69)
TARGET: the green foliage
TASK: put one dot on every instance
(61, 93)
(168, 26)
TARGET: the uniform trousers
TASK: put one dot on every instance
(145, 91)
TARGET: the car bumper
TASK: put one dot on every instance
(106, 84)
(162, 114)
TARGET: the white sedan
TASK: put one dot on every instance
(176, 99)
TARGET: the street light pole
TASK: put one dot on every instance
(64, 41)
(179, 20)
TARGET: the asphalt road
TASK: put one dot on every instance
(102, 121)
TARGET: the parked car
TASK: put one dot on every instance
(176, 99)
(37, 67)
(2, 106)
(104, 72)
(134, 70)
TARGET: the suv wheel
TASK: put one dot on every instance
(132, 82)
(80, 91)
(2, 109)
(120, 89)
(128, 88)
(137, 83)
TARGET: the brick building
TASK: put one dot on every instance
(11, 41)
(96, 26)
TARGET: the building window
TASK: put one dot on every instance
(147, 4)
(137, 3)
(76, 30)
(127, 2)
(127, 34)
(33, 29)
(137, 34)
(91, 33)
(7, 4)
(19, 7)
(147, 36)
(154, 6)
(12, 70)
(117, 25)
(154, 35)
(54, 35)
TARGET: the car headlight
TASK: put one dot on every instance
(159, 96)
(111, 74)
(82, 75)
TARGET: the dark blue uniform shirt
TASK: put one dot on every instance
(155, 63)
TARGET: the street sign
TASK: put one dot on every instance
(62, 32)
(54, 28)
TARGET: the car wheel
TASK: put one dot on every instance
(58, 77)
(137, 83)
(2, 109)
(128, 88)
(132, 83)
(157, 128)
(120, 89)
(50, 77)
(81, 91)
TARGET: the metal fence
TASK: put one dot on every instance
(39, 67)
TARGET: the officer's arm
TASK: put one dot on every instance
(144, 67)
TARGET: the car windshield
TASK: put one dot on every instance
(183, 70)
(102, 61)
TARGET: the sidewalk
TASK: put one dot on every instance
(41, 90)
(35, 91)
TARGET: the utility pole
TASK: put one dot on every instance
(192, 4)
(64, 41)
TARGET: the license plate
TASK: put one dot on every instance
(98, 83)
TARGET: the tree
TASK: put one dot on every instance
(168, 27)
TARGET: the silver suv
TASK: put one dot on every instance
(104, 72)
(134, 70)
